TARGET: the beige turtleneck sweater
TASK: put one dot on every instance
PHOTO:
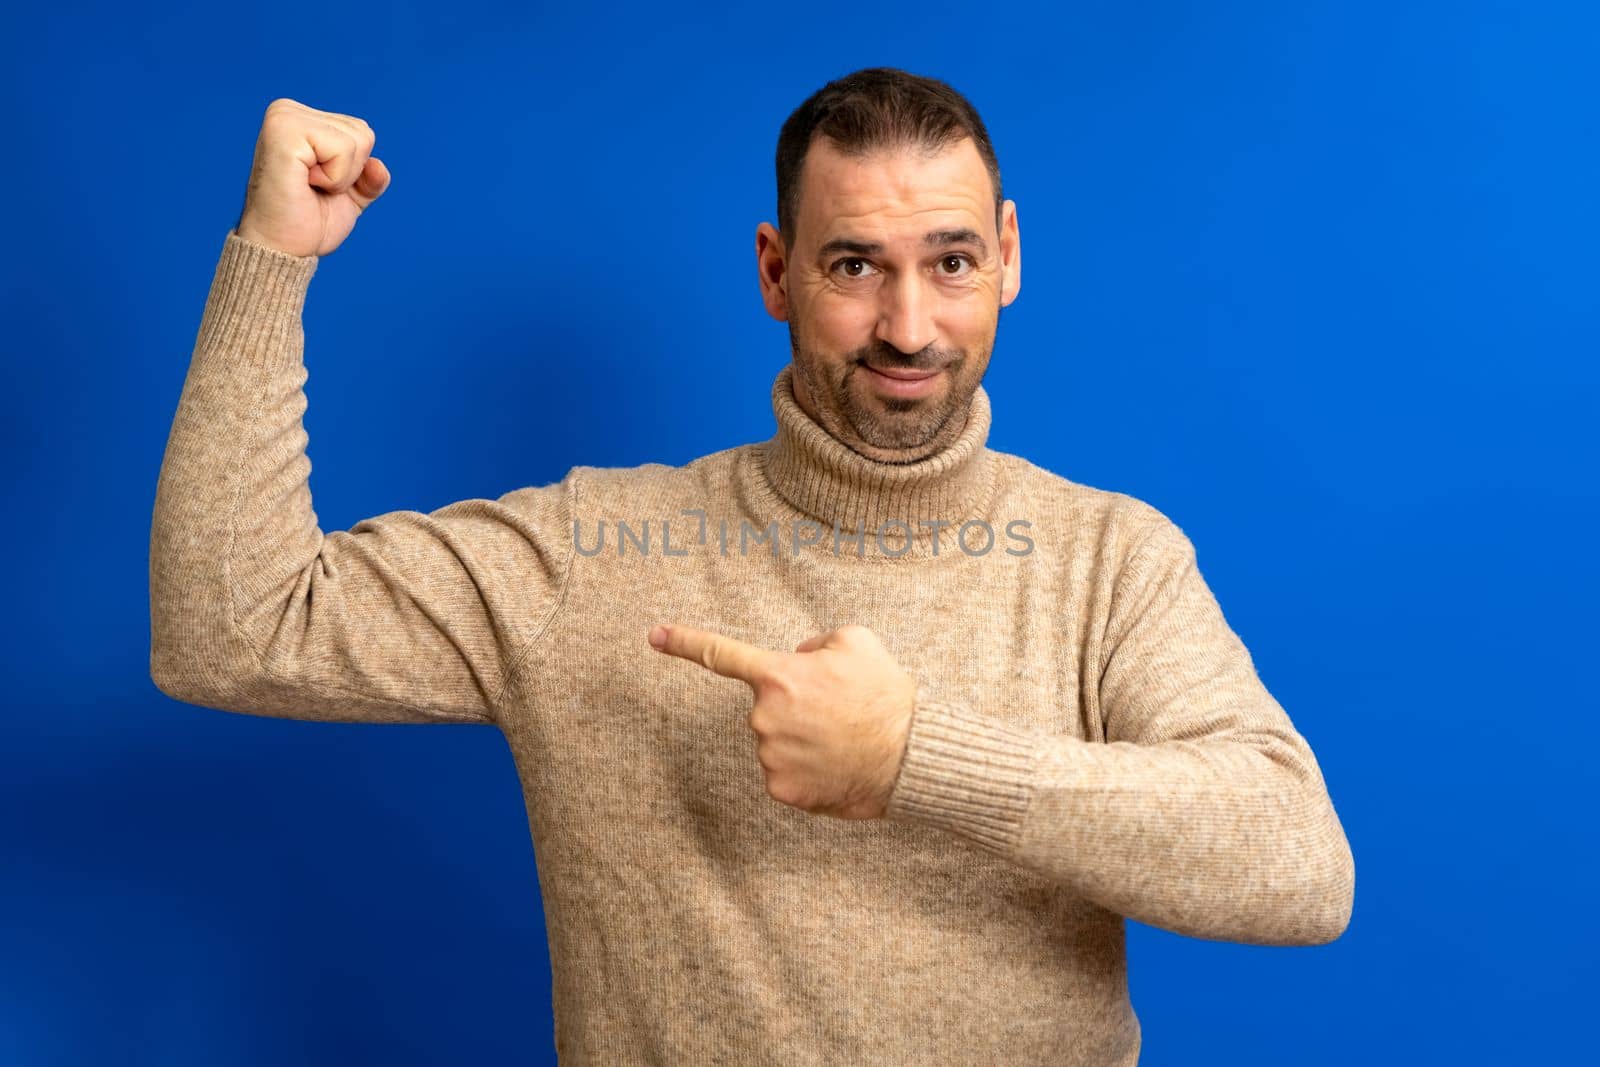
(1091, 739)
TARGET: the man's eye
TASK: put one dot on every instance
(958, 258)
(846, 262)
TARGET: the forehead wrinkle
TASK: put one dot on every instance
(849, 193)
(855, 227)
(946, 237)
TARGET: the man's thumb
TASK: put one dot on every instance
(373, 181)
(811, 644)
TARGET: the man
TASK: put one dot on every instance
(1013, 714)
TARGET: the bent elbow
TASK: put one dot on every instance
(1342, 901)
(1331, 898)
(186, 676)
(176, 683)
(1327, 887)
(1315, 885)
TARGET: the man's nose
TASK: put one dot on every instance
(905, 319)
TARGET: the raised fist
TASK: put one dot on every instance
(313, 174)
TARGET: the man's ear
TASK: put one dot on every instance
(1010, 254)
(772, 271)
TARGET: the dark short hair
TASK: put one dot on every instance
(873, 109)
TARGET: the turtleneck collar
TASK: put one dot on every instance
(823, 479)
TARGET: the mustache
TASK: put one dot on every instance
(893, 359)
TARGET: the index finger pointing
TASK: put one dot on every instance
(725, 655)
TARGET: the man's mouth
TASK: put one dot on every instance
(904, 374)
(902, 381)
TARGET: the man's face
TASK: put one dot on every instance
(892, 293)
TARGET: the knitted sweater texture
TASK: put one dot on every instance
(1091, 740)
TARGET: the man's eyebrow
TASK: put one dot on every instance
(936, 239)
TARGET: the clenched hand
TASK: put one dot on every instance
(313, 175)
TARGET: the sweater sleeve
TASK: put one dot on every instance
(405, 617)
(1204, 812)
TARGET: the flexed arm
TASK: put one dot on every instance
(405, 617)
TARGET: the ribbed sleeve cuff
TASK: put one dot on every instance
(276, 270)
(966, 773)
(255, 290)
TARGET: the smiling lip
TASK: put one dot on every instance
(903, 374)
(900, 382)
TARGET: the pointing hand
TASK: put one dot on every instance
(831, 718)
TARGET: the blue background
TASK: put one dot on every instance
(1317, 280)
